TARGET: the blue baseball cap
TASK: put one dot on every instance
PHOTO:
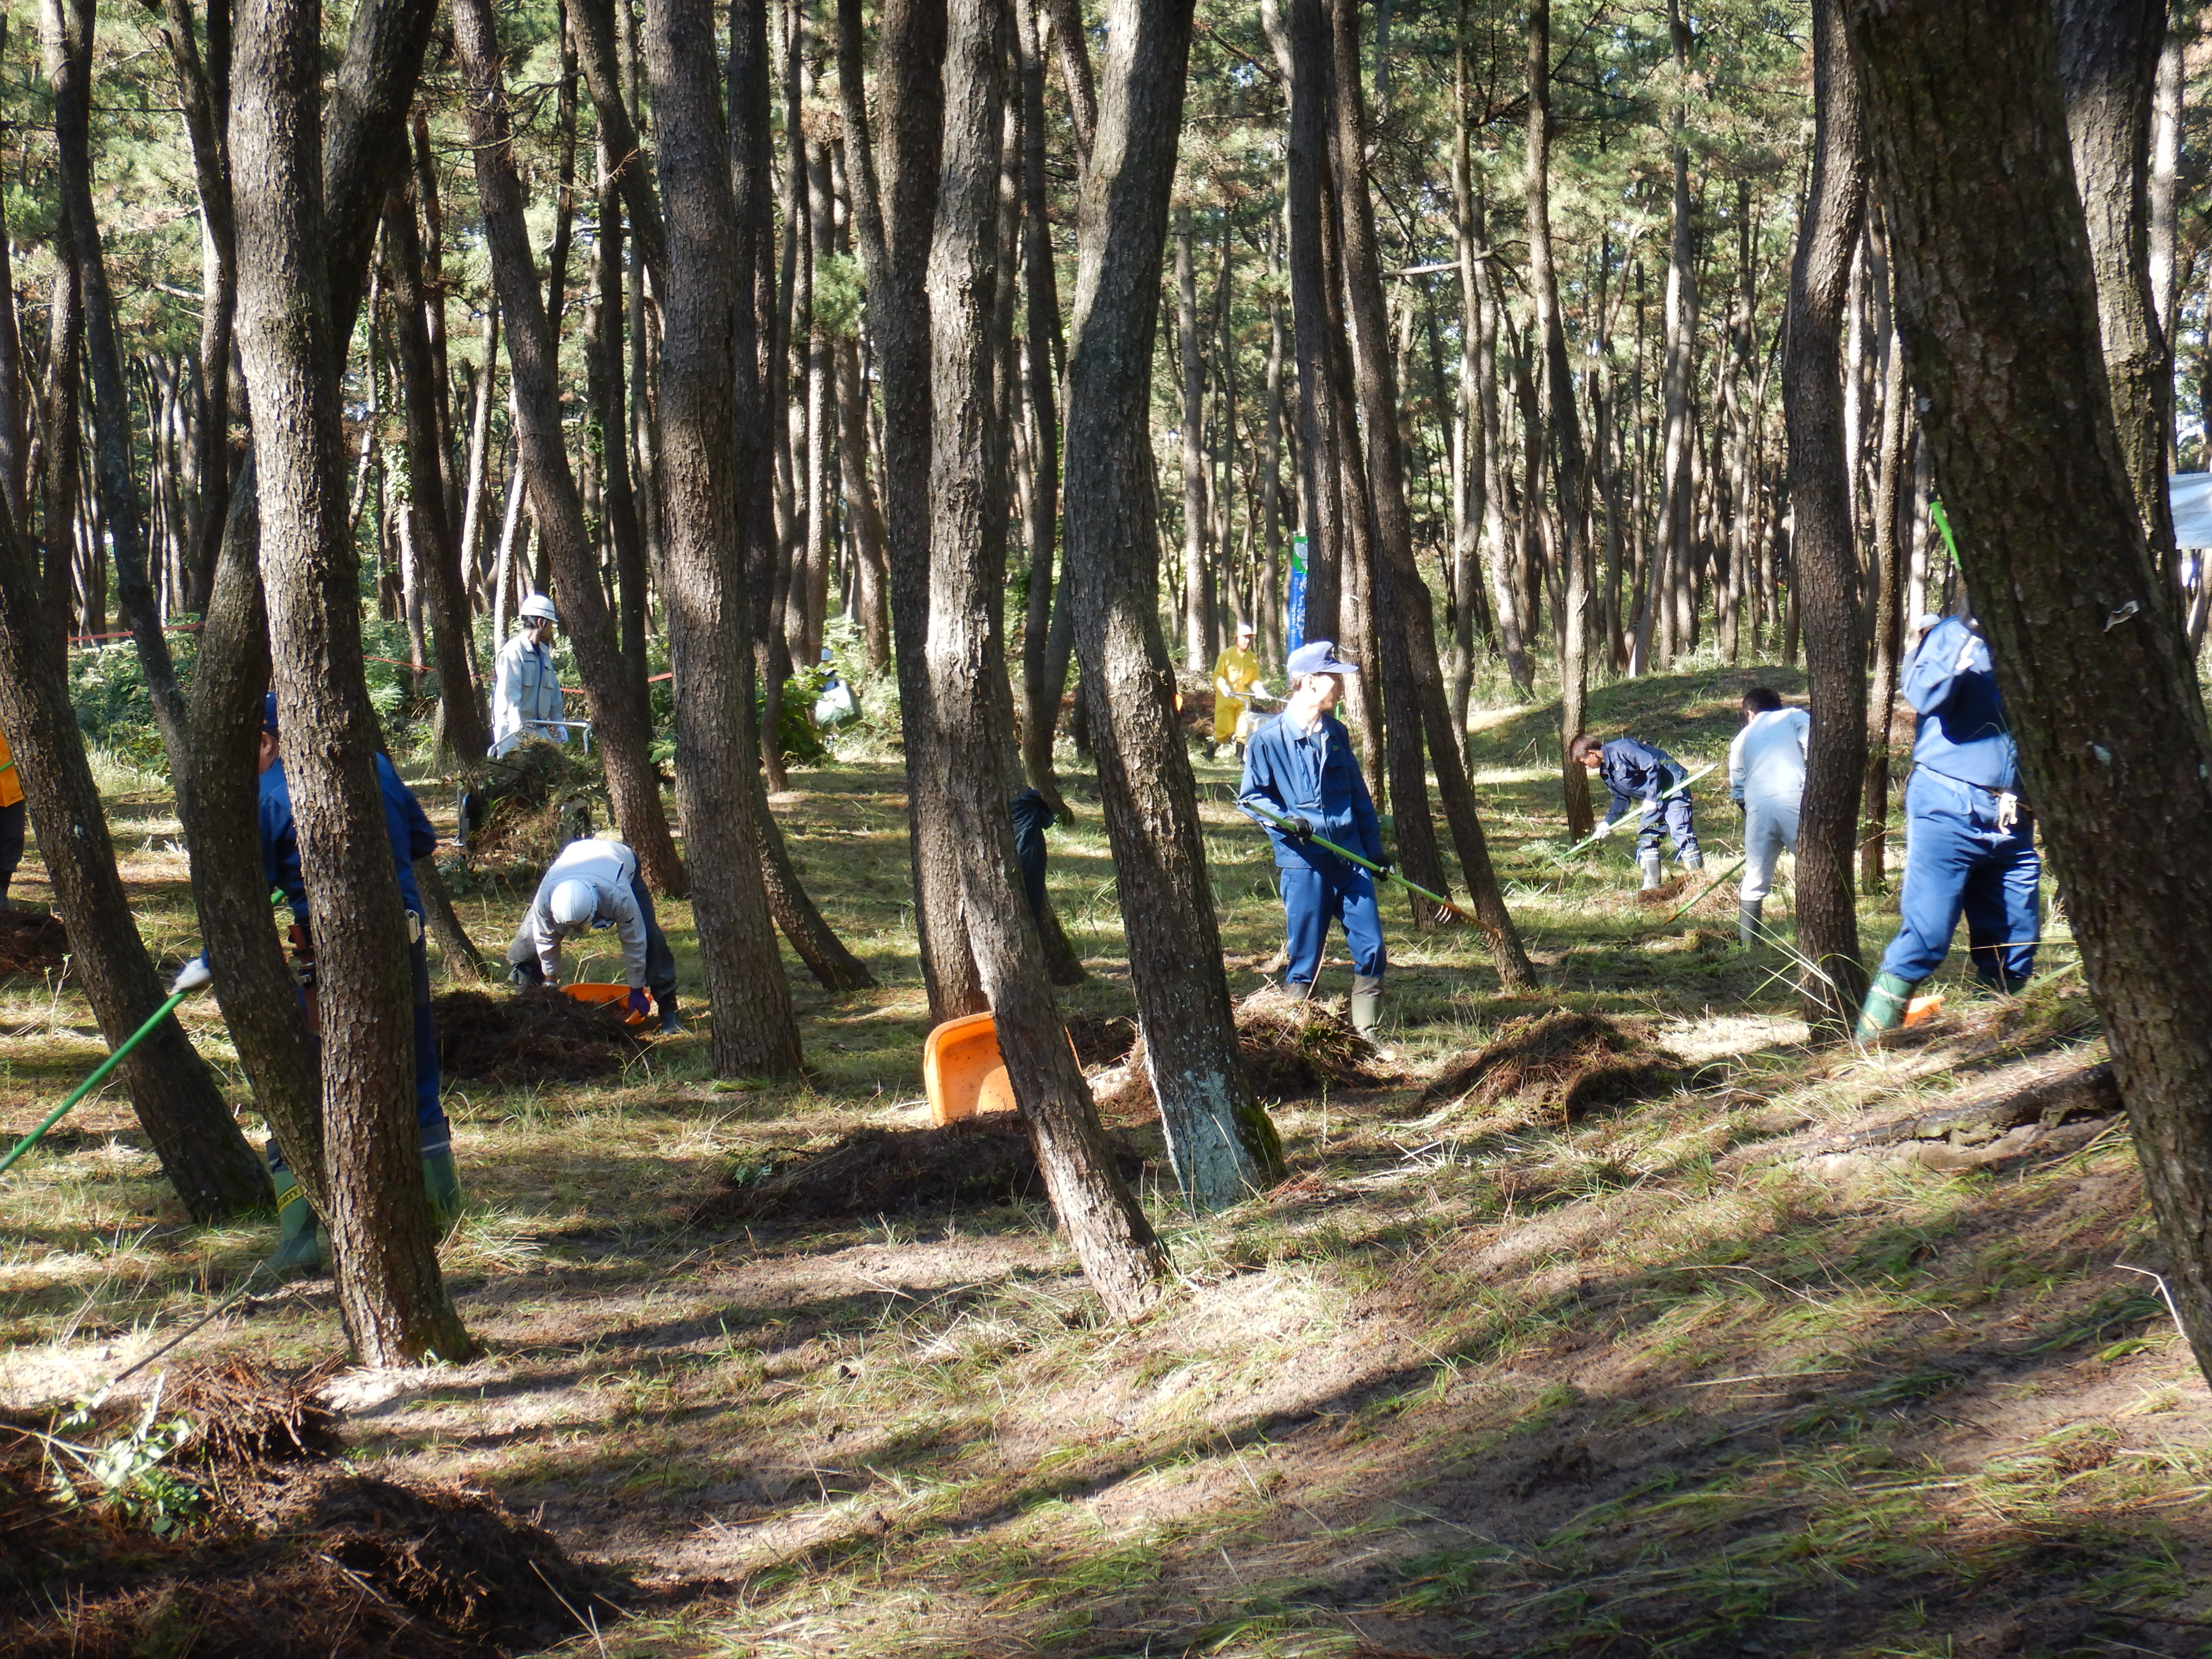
(269, 712)
(1318, 657)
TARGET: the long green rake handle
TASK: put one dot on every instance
(94, 1081)
(1605, 830)
(1282, 823)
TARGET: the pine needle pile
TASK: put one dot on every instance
(531, 1036)
(1565, 1061)
(31, 942)
(965, 1165)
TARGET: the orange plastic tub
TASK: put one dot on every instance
(962, 1070)
(586, 991)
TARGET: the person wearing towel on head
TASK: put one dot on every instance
(595, 884)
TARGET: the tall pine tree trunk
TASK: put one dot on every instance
(1122, 1259)
(706, 277)
(1824, 560)
(390, 1292)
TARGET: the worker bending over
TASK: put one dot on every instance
(1969, 839)
(1642, 772)
(1767, 778)
(525, 692)
(595, 884)
(1300, 767)
(1235, 678)
(411, 837)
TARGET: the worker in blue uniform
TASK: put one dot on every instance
(1634, 772)
(1300, 767)
(411, 838)
(1969, 839)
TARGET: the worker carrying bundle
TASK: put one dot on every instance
(1767, 778)
(1302, 780)
(595, 884)
(1969, 838)
(1634, 771)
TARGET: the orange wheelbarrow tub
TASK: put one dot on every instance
(588, 991)
(963, 1071)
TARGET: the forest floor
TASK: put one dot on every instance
(1494, 1373)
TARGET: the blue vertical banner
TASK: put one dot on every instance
(1294, 603)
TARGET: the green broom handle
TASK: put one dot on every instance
(94, 1081)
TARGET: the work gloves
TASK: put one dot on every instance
(1299, 828)
(192, 976)
(636, 1002)
(1385, 864)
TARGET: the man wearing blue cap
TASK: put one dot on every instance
(1969, 841)
(411, 838)
(1299, 766)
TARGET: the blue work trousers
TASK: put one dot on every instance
(1314, 898)
(1673, 816)
(429, 1112)
(1957, 859)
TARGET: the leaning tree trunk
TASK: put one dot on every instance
(1222, 1145)
(894, 219)
(2108, 67)
(1891, 550)
(1997, 303)
(708, 616)
(174, 1094)
(967, 760)
(620, 711)
(390, 1294)
(1824, 562)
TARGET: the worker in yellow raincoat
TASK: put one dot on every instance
(1236, 679)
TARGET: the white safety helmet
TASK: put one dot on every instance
(536, 608)
(573, 904)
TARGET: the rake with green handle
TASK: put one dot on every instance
(1345, 853)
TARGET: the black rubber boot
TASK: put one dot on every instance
(670, 1025)
(1748, 927)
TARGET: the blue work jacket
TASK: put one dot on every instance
(412, 837)
(1952, 687)
(1315, 777)
(1634, 771)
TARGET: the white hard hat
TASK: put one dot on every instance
(573, 903)
(536, 605)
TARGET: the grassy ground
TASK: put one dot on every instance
(1477, 1381)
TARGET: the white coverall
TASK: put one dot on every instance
(609, 868)
(526, 695)
(1767, 774)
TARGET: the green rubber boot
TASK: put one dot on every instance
(299, 1241)
(443, 1182)
(1885, 1007)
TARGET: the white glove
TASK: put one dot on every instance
(192, 976)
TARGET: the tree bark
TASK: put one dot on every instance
(1045, 649)
(14, 379)
(438, 557)
(895, 221)
(390, 1292)
(1122, 1259)
(1824, 560)
(1223, 1145)
(2108, 67)
(620, 711)
(67, 26)
(1998, 307)
(1196, 628)
(1888, 620)
(173, 1092)
(1075, 70)
(709, 615)
(1557, 396)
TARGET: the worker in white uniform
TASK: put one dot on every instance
(525, 692)
(1767, 777)
(595, 884)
